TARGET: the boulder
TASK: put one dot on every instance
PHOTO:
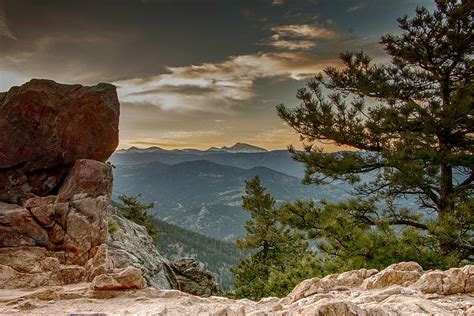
(19, 228)
(452, 281)
(403, 273)
(130, 245)
(124, 279)
(193, 278)
(45, 127)
(330, 282)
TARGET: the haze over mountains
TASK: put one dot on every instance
(240, 155)
(202, 190)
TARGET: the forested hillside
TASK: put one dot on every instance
(217, 256)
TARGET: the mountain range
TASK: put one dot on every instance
(202, 190)
(240, 155)
(204, 196)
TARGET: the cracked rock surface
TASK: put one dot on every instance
(339, 294)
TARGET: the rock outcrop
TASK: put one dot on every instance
(53, 218)
(449, 293)
(49, 240)
(130, 245)
(45, 127)
(194, 279)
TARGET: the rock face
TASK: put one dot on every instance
(45, 127)
(342, 294)
(57, 239)
(130, 245)
(193, 279)
(53, 201)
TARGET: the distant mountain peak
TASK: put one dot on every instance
(240, 148)
(134, 149)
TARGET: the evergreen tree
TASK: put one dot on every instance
(132, 209)
(412, 123)
(275, 248)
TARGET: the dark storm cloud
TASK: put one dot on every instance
(113, 39)
(183, 67)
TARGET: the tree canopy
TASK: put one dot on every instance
(409, 124)
(275, 249)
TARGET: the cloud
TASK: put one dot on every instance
(4, 29)
(305, 31)
(218, 87)
(298, 36)
(292, 44)
(278, 2)
(357, 6)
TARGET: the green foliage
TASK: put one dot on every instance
(282, 282)
(217, 255)
(412, 123)
(354, 235)
(132, 209)
(275, 249)
(112, 226)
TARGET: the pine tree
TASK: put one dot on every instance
(136, 211)
(411, 122)
(275, 248)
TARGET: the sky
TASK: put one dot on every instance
(193, 73)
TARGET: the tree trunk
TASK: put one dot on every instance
(446, 188)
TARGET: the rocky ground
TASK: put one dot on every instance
(401, 289)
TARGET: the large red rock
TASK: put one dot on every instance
(87, 176)
(45, 127)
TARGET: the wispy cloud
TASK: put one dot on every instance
(304, 30)
(357, 6)
(278, 2)
(4, 29)
(218, 87)
(298, 36)
(291, 44)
